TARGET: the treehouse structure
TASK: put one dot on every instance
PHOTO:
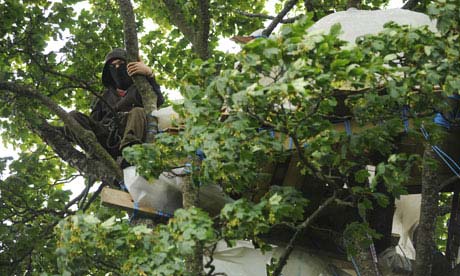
(317, 255)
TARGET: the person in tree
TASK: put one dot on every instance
(118, 118)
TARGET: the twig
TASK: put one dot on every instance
(89, 183)
(266, 16)
(284, 257)
(94, 196)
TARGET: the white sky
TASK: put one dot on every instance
(225, 45)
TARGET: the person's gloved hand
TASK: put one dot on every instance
(139, 68)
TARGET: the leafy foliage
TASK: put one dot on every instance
(280, 96)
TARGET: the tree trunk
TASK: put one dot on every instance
(425, 244)
(193, 263)
(149, 99)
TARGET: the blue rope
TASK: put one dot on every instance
(123, 186)
(405, 118)
(347, 124)
(448, 157)
(188, 168)
(445, 156)
(453, 166)
(355, 266)
(374, 259)
(200, 154)
(136, 209)
(163, 214)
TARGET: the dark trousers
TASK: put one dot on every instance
(130, 130)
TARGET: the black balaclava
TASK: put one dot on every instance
(120, 76)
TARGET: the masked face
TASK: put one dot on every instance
(120, 75)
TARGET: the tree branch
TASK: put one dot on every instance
(94, 196)
(289, 5)
(265, 16)
(64, 149)
(199, 38)
(99, 152)
(177, 18)
(284, 257)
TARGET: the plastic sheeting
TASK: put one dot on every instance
(167, 118)
(165, 193)
(405, 220)
(244, 260)
(392, 264)
(357, 23)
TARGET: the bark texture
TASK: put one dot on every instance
(425, 243)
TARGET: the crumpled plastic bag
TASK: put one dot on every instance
(165, 193)
(391, 263)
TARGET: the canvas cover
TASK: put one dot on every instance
(356, 23)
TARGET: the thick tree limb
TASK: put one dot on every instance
(149, 99)
(177, 18)
(202, 45)
(285, 256)
(198, 37)
(289, 5)
(98, 151)
(265, 16)
(64, 149)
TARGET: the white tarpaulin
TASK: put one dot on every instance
(244, 260)
(357, 23)
(165, 193)
(405, 219)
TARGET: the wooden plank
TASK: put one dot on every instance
(122, 200)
